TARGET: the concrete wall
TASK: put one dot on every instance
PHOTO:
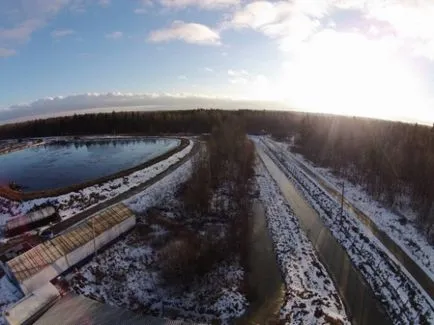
(65, 262)
(358, 296)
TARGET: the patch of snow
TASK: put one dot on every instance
(160, 191)
(406, 235)
(308, 285)
(402, 297)
(9, 294)
(127, 273)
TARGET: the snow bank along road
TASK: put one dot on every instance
(310, 296)
(401, 296)
(406, 243)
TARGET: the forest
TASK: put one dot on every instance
(394, 161)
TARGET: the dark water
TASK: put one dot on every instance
(266, 288)
(63, 164)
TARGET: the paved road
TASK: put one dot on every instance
(65, 224)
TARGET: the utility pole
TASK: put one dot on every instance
(342, 202)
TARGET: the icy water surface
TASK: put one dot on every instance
(65, 163)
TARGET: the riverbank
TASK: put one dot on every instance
(20, 146)
(14, 195)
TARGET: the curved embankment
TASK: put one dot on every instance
(66, 223)
(359, 299)
(10, 194)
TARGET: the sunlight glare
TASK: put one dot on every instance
(346, 73)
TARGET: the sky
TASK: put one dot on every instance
(370, 58)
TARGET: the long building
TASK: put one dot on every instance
(44, 262)
(31, 221)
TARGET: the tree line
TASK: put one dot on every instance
(217, 202)
(392, 160)
(148, 123)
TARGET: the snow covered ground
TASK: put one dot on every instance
(128, 273)
(9, 294)
(311, 297)
(72, 203)
(404, 300)
(405, 234)
(152, 195)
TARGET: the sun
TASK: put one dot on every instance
(346, 73)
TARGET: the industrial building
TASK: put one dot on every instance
(44, 262)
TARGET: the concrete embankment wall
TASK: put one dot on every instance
(358, 297)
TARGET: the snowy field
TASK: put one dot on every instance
(311, 297)
(8, 296)
(404, 300)
(72, 203)
(128, 273)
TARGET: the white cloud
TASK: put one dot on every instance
(294, 22)
(410, 21)
(21, 18)
(104, 3)
(204, 4)
(96, 102)
(182, 77)
(207, 69)
(289, 22)
(143, 9)
(238, 77)
(237, 73)
(187, 32)
(4, 52)
(21, 32)
(254, 86)
(58, 33)
(114, 35)
(140, 11)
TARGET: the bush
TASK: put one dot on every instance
(178, 261)
(191, 256)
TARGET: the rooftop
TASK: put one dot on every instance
(34, 260)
